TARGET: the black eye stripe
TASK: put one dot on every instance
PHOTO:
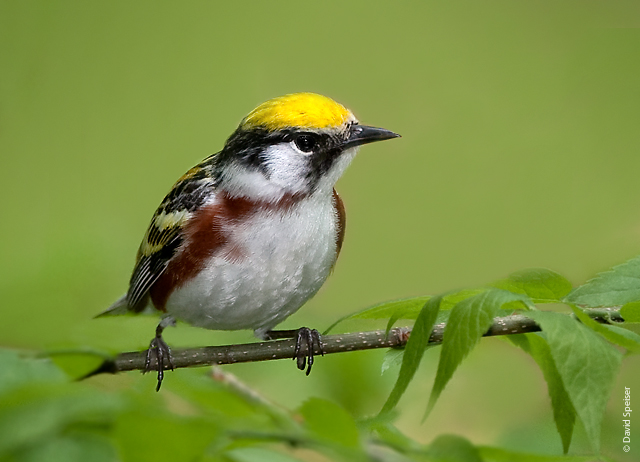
(248, 146)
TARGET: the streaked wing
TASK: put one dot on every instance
(165, 233)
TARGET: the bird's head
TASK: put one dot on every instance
(294, 144)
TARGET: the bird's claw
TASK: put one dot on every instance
(311, 338)
(158, 348)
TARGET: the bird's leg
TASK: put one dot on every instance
(161, 350)
(310, 337)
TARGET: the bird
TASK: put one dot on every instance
(247, 236)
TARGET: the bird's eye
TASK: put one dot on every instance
(306, 143)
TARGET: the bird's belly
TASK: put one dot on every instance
(277, 264)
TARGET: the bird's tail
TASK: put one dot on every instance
(119, 307)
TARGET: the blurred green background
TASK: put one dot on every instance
(520, 125)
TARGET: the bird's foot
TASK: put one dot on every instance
(159, 348)
(310, 338)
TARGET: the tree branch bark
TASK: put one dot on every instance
(284, 349)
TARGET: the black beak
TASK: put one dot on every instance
(363, 134)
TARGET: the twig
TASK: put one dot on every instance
(241, 388)
(284, 349)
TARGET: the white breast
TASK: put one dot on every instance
(280, 260)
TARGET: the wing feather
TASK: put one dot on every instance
(164, 235)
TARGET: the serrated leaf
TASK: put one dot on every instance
(618, 286)
(410, 306)
(586, 363)
(564, 414)
(400, 313)
(443, 316)
(631, 312)
(406, 308)
(414, 350)
(490, 454)
(452, 299)
(618, 336)
(626, 333)
(448, 302)
(330, 422)
(392, 358)
(468, 322)
(539, 284)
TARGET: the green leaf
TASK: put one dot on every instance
(409, 306)
(330, 422)
(539, 284)
(586, 363)
(258, 455)
(392, 358)
(38, 404)
(71, 448)
(148, 434)
(78, 362)
(490, 454)
(400, 313)
(211, 395)
(448, 302)
(631, 312)
(452, 299)
(630, 336)
(451, 448)
(18, 370)
(621, 337)
(414, 351)
(618, 286)
(406, 308)
(564, 413)
(469, 321)
(36, 412)
(389, 435)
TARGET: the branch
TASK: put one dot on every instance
(284, 349)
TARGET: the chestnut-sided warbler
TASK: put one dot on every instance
(247, 236)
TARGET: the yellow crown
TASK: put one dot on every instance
(298, 110)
